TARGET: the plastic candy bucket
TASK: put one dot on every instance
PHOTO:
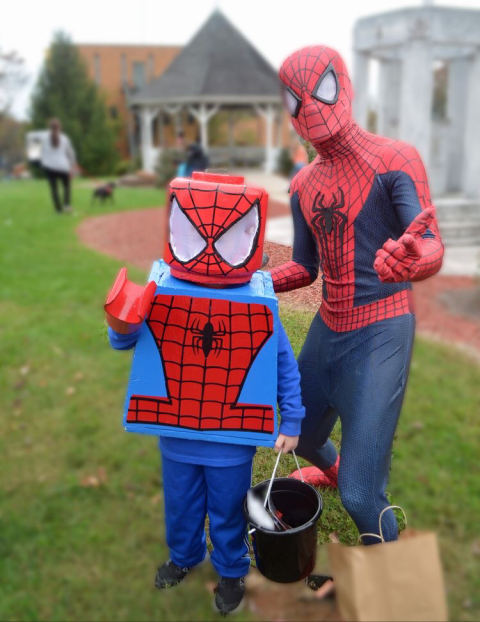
(288, 556)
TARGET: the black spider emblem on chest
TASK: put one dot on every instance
(330, 223)
(207, 338)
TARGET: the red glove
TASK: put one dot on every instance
(401, 260)
(127, 304)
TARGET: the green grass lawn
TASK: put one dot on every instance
(81, 526)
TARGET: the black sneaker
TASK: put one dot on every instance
(169, 575)
(229, 594)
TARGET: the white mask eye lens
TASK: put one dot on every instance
(292, 103)
(185, 241)
(326, 89)
(236, 245)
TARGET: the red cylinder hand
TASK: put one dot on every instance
(127, 304)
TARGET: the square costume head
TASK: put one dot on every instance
(216, 229)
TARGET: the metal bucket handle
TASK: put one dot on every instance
(267, 496)
(273, 478)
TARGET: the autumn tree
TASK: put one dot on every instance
(65, 91)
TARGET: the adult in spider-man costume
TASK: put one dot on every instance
(204, 338)
(361, 213)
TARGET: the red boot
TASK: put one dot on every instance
(316, 477)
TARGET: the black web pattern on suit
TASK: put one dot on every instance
(223, 217)
(203, 390)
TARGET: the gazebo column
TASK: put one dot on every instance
(458, 75)
(472, 131)
(231, 137)
(203, 114)
(417, 94)
(147, 115)
(174, 111)
(268, 113)
(360, 86)
(388, 97)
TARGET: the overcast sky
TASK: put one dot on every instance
(275, 27)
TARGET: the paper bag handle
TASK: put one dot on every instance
(274, 472)
(375, 535)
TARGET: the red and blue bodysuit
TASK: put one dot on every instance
(361, 213)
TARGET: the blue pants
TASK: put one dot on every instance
(191, 492)
(359, 375)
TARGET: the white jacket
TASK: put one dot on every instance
(61, 158)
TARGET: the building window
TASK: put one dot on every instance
(113, 112)
(124, 70)
(97, 69)
(139, 75)
(150, 68)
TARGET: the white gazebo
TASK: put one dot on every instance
(218, 69)
(406, 44)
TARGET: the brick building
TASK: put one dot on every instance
(120, 71)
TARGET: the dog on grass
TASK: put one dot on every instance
(104, 193)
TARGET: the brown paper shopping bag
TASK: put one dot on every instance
(389, 582)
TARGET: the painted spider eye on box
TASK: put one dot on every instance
(216, 229)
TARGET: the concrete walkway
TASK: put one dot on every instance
(458, 261)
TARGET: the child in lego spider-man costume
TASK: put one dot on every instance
(361, 212)
(211, 362)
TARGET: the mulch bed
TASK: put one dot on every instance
(137, 238)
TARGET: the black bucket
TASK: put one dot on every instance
(288, 556)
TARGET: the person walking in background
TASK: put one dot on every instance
(299, 156)
(182, 155)
(197, 159)
(58, 161)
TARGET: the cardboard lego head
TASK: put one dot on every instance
(216, 229)
(318, 93)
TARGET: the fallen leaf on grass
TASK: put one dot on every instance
(24, 370)
(476, 548)
(79, 376)
(210, 586)
(95, 480)
(70, 391)
(90, 481)
(155, 500)
(418, 425)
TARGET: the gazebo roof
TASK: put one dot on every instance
(219, 65)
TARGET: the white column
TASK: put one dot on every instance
(472, 131)
(416, 98)
(203, 120)
(458, 75)
(268, 113)
(388, 98)
(149, 153)
(174, 111)
(203, 115)
(360, 88)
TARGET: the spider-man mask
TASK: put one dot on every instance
(318, 93)
(216, 229)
